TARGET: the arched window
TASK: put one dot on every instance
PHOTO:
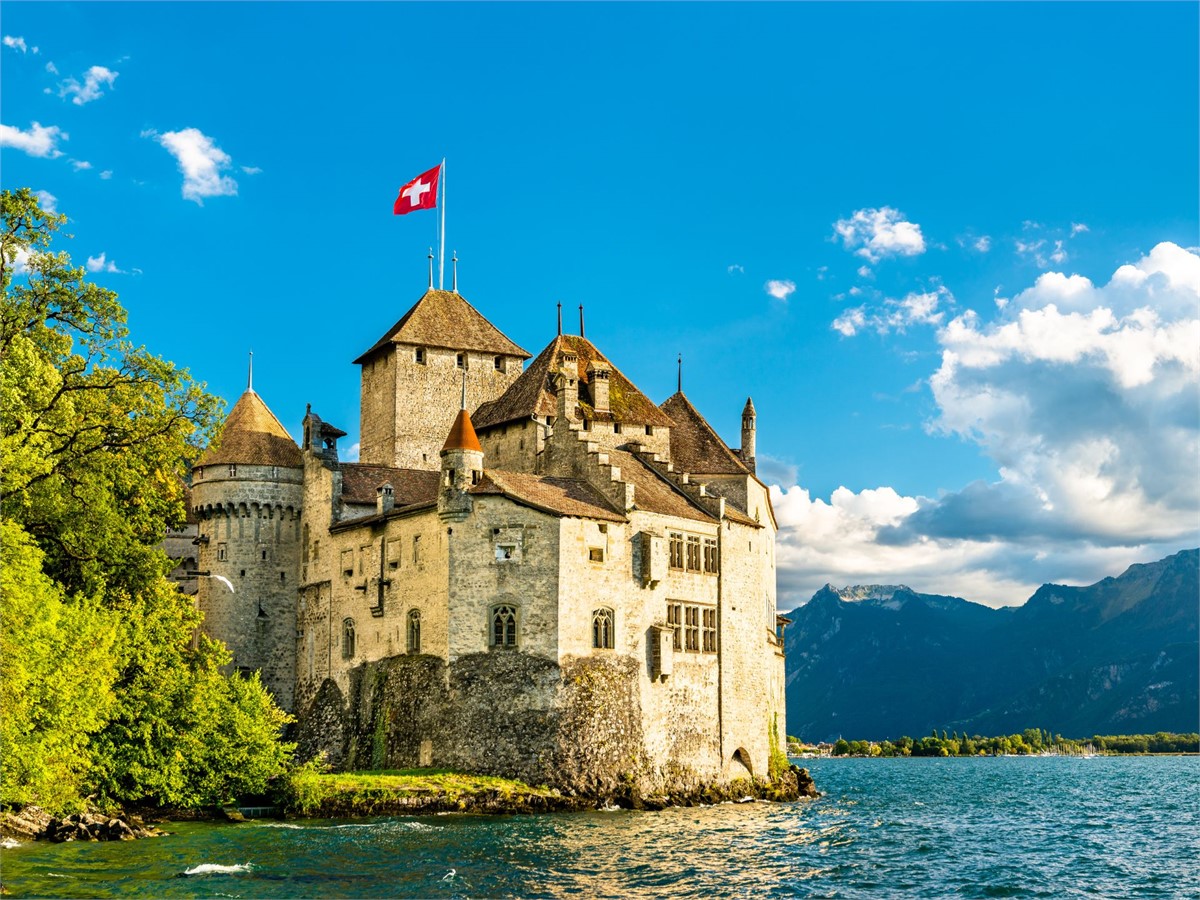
(348, 639)
(602, 629)
(504, 626)
(414, 631)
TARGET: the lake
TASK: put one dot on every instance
(995, 827)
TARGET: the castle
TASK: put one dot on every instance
(532, 571)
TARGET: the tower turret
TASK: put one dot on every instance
(247, 494)
(748, 430)
(462, 467)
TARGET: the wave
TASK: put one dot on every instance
(279, 825)
(9, 844)
(217, 869)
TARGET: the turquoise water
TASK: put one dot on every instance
(1007, 827)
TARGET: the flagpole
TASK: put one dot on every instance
(442, 249)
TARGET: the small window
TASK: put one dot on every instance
(416, 549)
(691, 631)
(504, 626)
(232, 471)
(263, 555)
(676, 550)
(414, 631)
(222, 552)
(393, 554)
(596, 554)
(616, 427)
(348, 639)
(419, 356)
(450, 473)
(710, 555)
(475, 476)
(347, 563)
(710, 630)
(316, 554)
(461, 360)
(505, 552)
(649, 429)
(693, 553)
(282, 577)
(500, 364)
(587, 425)
(675, 621)
(602, 629)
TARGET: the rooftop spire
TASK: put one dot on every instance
(431, 268)
(679, 375)
(454, 271)
(560, 317)
(250, 374)
(581, 320)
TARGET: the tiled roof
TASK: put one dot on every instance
(412, 487)
(558, 496)
(253, 436)
(445, 319)
(462, 435)
(695, 447)
(652, 493)
(531, 393)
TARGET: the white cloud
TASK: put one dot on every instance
(16, 43)
(94, 79)
(878, 233)
(735, 269)
(1078, 228)
(106, 174)
(865, 272)
(353, 451)
(851, 322)
(52, 68)
(252, 170)
(983, 244)
(21, 261)
(37, 141)
(780, 290)
(1059, 256)
(102, 264)
(80, 164)
(917, 308)
(47, 201)
(201, 161)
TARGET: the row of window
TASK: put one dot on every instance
(414, 634)
(618, 428)
(690, 553)
(461, 360)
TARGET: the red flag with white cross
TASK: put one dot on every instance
(420, 193)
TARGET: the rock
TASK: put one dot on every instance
(26, 824)
(231, 814)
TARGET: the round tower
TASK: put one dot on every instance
(462, 467)
(748, 433)
(247, 494)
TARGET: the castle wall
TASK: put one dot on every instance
(249, 531)
(407, 407)
(606, 436)
(513, 446)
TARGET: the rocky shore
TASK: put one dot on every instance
(35, 824)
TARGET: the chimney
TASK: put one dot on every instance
(598, 381)
(566, 385)
(385, 500)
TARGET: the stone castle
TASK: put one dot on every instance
(533, 570)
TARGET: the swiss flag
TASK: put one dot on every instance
(420, 193)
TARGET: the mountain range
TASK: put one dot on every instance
(1121, 656)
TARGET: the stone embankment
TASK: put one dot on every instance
(35, 824)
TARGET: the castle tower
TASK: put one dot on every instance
(748, 430)
(411, 378)
(247, 494)
(462, 467)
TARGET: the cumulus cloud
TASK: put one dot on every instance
(201, 161)
(106, 174)
(352, 452)
(983, 244)
(95, 80)
(1078, 228)
(17, 43)
(917, 308)
(80, 165)
(735, 269)
(878, 233)
(780, 290)
(20, 262)
(252, 170)
(37, 141)
(102, 264)
(47, 201)
(52, 68)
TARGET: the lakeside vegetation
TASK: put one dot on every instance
(1031, 742)
(107, 692)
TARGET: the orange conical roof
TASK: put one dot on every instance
(462, 434)
(253, 436)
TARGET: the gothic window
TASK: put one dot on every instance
(675, 621)
(602, 629)
(691, 631)
(348, 639)
(676, 545)
(693, 553)
(504, 626)
(710, 631)
(419, 356)
(414, 631)
(710, 555)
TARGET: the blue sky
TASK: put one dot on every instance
(877, 220)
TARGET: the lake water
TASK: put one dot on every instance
(1005, 827)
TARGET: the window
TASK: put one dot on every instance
(649, 429)
(347, 563)
(587, 425)
(691, 631)
(414, 631)
(710, 555)
(596, 554)
(693, 553)
(232, 471)
(616, 427)
(676, 547)
(393, 554)
(505, 552)
(264, 555)
(675, 621)
(504, 626)
(416, 549)
(710, 630)
(450, 473)
(475, 476)
(316, 554)
(222, 552)
(602, 629)
(419, 356)
(499, 364)
(348, 639)
(461, 360)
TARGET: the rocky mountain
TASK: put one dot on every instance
(1118, 656)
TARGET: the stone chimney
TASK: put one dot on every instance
(385, 501)
(598, 379)
(566, 385)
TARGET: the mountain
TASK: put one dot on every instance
(1118, 656)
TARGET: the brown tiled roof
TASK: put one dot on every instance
(445, 319)
(412, 487)
(695, 447)
(652, 493)
(557, 496)
(253, 436)
(462, 434)
(531, 393)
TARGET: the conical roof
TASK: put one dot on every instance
(253, 436)
(532, 394)
(445, 319)
(748, 409)
(462, 434)
(695, 446)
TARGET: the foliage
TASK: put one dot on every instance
(56, 672)
(777, 761)
(96, 437)
(1032, 741)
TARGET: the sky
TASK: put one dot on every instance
(951, 250)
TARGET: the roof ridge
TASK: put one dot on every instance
(680, 437)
